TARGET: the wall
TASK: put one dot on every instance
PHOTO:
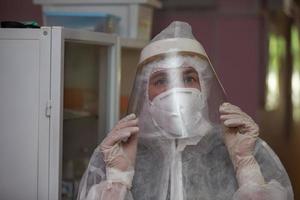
(230, 33)
(20, 10)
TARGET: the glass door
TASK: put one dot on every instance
(85, 73)
(85, 103)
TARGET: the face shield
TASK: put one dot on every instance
(172, 93)
(175, 99)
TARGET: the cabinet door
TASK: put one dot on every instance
(24, 127)
(85, 97)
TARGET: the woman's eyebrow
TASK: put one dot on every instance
(190, 71)
(158, 75)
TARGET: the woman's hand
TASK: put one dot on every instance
(119, 150)
(240, 136)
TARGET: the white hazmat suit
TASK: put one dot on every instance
(186, 144)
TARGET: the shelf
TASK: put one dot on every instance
(133, 43)
(74, 114)
(154, 3)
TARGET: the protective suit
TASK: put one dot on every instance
(186, 144)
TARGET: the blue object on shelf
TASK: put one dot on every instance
(100, 22)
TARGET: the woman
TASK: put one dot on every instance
(186, 142)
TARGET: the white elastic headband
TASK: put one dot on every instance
(171, 45)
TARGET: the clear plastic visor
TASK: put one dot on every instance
(162, 80)
(172, 92)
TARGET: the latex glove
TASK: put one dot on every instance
(119, 151)
(271, 191)
(240, 135)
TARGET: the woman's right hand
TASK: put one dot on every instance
(119, 149)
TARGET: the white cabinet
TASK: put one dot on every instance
(25, 91)
(59, 95)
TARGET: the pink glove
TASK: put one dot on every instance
(119, 151)
(240, 135)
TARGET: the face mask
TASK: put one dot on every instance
(178, 113)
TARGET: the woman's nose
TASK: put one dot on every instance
(176, 81)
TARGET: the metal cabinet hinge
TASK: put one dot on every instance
(48, 108)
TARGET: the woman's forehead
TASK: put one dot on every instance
(174, 62)
(177, 62)
(173, 71)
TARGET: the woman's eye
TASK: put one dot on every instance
(160, 82)
(189, 79)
